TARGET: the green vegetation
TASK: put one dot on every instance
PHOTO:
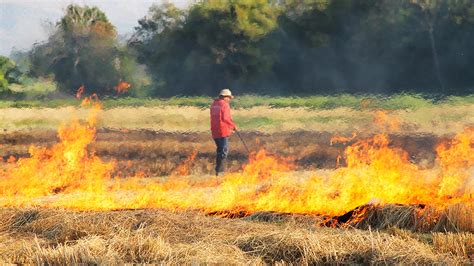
(207, 47)
(256, 122)
(34, 89)
(83, 51)
(9, 74)
(361, 102)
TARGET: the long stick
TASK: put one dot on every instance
(245, 144)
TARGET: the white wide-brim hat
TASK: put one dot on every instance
(226, 93)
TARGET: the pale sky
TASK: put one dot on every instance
(22, 22)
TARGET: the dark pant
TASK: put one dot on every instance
(222, 150)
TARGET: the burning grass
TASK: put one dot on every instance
(154, 236)
(419, 218)
(377, 188)
(155, 154)
(70, 175)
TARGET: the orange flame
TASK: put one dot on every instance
(385, 122)
(456, 158)
(65, 167)
(341, 139)
(11, 159)
(80, 91)
(122, 87)
(70, 175)
(184, 168)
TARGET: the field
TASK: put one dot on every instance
(354, 183)
(57, 236)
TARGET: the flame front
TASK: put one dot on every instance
(69, 175)
(64, 168)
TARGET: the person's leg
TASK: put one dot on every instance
(225, 148)
(221, 154)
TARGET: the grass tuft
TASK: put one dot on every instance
(57, 236)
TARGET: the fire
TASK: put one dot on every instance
(80, 91)
(65, 167)
(184, 168)
(70, 175)
(385, 122)
(342, 139)
(456, 159)
(122, 87)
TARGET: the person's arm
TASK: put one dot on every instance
(227, 118)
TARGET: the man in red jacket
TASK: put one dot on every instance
(222, 127)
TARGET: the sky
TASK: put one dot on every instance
(24, 22)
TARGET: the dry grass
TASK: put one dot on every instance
(436, 120)
(455, 218)
(459, 244)
(154, 236)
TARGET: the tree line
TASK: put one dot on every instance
(283, 47)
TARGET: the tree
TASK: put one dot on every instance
(309, 46)
(317, 50)
(212, 45)
(9, 73)
(456, 39)
(430, 10)
(83, 51)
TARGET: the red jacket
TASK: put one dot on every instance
(221, 120)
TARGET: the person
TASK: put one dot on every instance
(222, 127)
